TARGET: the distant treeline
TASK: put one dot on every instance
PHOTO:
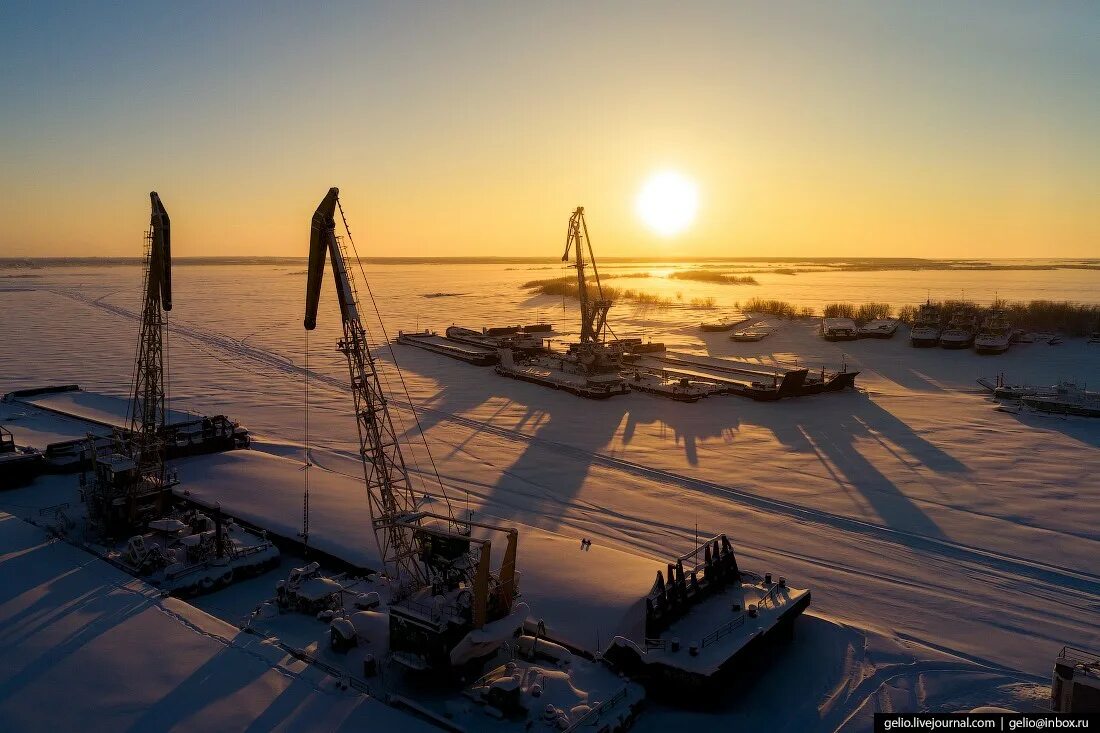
(861, 313)
(780, 308)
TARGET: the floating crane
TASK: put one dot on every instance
(443, 586)
(129, 481)
(593, 310)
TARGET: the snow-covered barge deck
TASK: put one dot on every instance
(65, 415)
(707, 624)
(431, 341)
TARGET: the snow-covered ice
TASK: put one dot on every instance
(951, 549)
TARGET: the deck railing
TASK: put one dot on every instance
(724, 630)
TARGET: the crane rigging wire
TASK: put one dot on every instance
(397, 368)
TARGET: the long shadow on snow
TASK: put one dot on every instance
(225, 672)
(558, 455)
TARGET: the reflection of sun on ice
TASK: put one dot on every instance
(667, 203)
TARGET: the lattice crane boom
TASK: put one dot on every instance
(392, 501)
(593, 310)
(148, 404)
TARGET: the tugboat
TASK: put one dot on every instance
(926, 326)
(959, 333)
(995, 335)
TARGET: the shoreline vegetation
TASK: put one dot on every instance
(567, 287)
(1073, 319)
(707, 276)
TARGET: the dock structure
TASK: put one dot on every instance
(463, 351)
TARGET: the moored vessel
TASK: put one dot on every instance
(926, 327)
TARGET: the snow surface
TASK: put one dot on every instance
(89, 648)
(951, 549)
(99, 408)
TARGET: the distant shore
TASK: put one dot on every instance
(838, 264)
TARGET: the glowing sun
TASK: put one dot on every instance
(667, 203)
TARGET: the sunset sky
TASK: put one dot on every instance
(849, 128)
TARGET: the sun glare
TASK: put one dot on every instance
(667, 203)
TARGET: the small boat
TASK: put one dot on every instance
(717, 326)
(1094, 337)
(756, 333)
(839, 329)
(879, 328)
(680, 389)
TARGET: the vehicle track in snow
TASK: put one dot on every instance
(1006, 564)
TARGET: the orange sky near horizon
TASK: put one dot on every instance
(854, 129)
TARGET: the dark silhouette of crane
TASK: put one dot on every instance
(129, 482)
(442, 583)
(593, 309)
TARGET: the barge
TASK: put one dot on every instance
(513, 337)
(707, 624)
(879, 328)
(839, 329)
(191, 553)
(18, 466)
(681, 389)
(748, 380)
(102, 416)
(431, 341)
(560, 372)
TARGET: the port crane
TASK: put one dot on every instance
(129, 480)
(593, 309)
(440, 572)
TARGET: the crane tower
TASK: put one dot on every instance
(442, 582)
(129, 481)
